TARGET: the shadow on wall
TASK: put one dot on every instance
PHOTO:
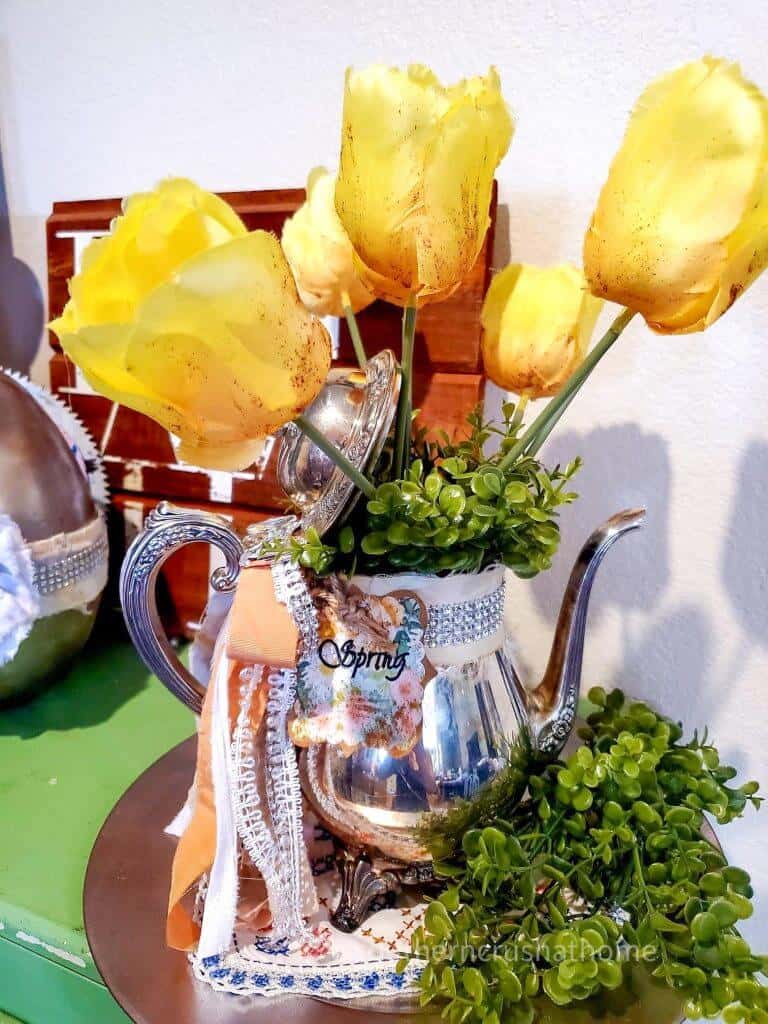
(500, 256)
(669, 661)
(744, 570)
(21, 301)
(535, 228)
(745, 552)
(666, 658)
(624, 467)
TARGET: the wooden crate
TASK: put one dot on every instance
(138, 453)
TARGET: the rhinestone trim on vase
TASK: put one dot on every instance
(51, 575)
(465, 622)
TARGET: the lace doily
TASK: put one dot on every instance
(333, 964)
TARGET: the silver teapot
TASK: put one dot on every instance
(474, 706)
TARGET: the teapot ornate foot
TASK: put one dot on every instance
(361, 884)
(365, 879)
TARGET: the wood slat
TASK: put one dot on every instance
(444, 399)
(139, 457)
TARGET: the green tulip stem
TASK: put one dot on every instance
(354, 333)
(405, 404)
(540, 438)
(537, 433)
(337, 457)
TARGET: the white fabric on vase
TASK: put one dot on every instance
(19, 600)
(180, 823)
(214, 616)
(442, 590)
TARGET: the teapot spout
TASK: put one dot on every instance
(552, 705)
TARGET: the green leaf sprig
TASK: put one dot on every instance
(457, 509)
(603, 862)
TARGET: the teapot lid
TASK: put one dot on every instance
(355, 410)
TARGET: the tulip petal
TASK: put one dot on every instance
(474, 135)
(537, 324)
(227, 343)
(100, 352)
(415, 177)
(156, 233)
(208, 337)
(320, 253)
(389, 117)
(681, 225)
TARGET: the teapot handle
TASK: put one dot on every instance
(167, 529)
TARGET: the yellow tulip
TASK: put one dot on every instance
(320, 254)
(219, 350)
(681, 225)
(156, 233)
(415, 177)
(537, 323)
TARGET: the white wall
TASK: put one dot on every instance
(99, 99)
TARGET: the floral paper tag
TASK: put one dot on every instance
(363, 686)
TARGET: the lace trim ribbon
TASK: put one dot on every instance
(465, 612)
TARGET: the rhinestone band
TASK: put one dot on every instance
(52, 575)
(465, 621)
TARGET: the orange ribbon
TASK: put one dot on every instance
(261, 632)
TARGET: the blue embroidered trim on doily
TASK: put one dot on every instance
(342, 981)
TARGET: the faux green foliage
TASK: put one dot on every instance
(456, 510)
(603, 863)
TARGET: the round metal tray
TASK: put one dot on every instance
(126, 892)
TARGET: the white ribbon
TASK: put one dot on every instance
(223, 882)
(201, 651)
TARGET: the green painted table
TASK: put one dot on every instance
(65, 759)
